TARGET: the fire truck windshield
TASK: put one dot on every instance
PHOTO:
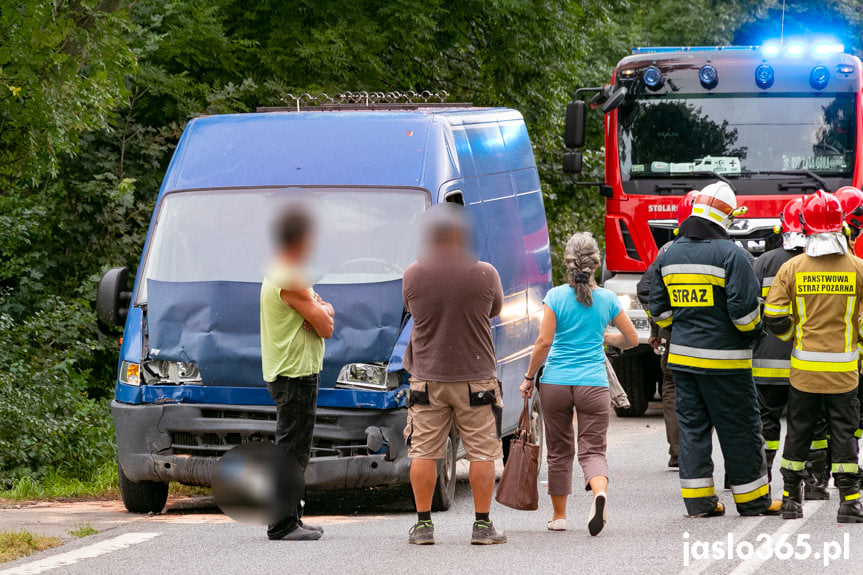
(737, 134)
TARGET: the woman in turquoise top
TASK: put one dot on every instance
(572, 339)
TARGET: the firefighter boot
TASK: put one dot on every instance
(850, 509)
(815, 486)
(792, 499)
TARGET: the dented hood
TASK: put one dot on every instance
(217, 326)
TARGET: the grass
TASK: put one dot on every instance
(100, 483)
(18, 544)
(82, 531)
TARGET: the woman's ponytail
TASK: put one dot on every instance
(581, 258)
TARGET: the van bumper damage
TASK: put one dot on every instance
(182, 442)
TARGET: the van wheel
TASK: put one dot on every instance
(629, 368)
(444, 490)
(537, 427)
(142, 496)
(537, 430)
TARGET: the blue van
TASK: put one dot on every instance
(190, 387)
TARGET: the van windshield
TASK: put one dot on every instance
(365, 235)
(737, 134)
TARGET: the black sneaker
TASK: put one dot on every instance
(484, 533)
(299, 534)
(422, 533)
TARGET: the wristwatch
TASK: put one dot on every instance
(529, 378)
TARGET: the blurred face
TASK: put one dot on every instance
(296, 253)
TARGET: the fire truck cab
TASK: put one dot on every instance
(773, 121)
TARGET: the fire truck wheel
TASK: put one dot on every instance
(630, 371)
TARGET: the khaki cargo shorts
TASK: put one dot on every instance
(475, 406)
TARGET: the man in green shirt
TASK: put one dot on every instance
(294, 323)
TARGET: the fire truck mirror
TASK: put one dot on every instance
(614, 100)
(573, 131)
(572, 162)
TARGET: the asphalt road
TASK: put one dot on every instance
(367, 533)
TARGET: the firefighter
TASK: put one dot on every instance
(704, 285)
(771, 361)
(659, 338)
(815, 300)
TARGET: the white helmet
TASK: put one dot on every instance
(716, 203)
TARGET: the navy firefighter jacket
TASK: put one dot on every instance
(771, 358)
(705, 286)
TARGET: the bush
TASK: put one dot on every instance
(55, 418)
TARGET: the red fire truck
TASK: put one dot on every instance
(773, 121)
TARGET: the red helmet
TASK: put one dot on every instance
(790, 216)
(684, 209)
(822, 213)
(852, 204)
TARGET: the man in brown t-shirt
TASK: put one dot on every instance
(450, 357)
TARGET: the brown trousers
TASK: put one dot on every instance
(592, 406)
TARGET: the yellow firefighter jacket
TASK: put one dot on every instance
(816, 302)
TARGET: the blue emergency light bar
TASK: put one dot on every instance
(793, 49)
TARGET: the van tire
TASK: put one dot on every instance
(444, 489)
(142, 496)
(630, 370)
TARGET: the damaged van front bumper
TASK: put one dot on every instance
(182, 442)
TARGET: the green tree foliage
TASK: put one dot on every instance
(95, 94)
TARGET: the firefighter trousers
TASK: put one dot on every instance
(728, 403)
(842, 412)
(772, 400)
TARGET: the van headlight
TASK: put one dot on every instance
(129, 373)
(161, 372)
(372, 376)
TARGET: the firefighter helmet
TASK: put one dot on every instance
(852, 204)
(716, 203)
(821, 214)
(684, 208)
(790, 216)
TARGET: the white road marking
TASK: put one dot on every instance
(749, 523)
(87, 552)
(752, 564)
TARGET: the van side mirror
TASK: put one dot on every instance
(112, 298)
(573, 130)
(573, 162)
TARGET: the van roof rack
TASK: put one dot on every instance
(323, 102)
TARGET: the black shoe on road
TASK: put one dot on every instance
(815, 490)
(485, 533)
(422, 533)
(299, 533)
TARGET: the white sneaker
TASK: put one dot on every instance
(596, 519)
(557, 525)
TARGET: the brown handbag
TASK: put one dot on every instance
(518, 484)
